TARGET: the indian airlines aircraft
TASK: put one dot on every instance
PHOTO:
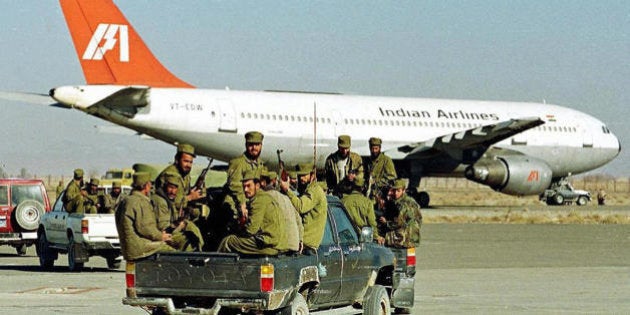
(515, 148)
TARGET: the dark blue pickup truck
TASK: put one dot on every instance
(348, 269)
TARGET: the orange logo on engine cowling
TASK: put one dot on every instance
(533, 176)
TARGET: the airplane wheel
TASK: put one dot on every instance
(423, 199)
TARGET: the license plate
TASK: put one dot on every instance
(3, 222)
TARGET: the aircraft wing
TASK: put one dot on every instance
(466, 146)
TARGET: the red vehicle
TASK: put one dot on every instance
(22, 204)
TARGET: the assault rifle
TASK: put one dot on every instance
(200, 184)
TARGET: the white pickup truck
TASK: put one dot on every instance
(79, 235)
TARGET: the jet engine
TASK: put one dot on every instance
(513, 175)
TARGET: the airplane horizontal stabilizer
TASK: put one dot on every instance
(466, 146)
(125, 101)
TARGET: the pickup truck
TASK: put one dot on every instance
(22, 204)
(347, 269)
(79, 235)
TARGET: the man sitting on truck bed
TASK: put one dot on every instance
(136, 222)
(292, 220)
(186, 235)
(311, 205)
(263, 233)
(73, 198)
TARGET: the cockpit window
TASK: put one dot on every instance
(605, 130)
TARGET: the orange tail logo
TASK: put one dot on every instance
(110, 50)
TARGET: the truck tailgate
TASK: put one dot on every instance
(101, 226)
(197, 274)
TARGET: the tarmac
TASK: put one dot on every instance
(462, 269)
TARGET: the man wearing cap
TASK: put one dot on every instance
(263, 234)
(136, 222)
(379, 169)
(73, 197)
(249, 161)
(342, 165)
(186, 235)
(181, 166)
(93, 200)
(292, 220)
(361, 210)
(311, 204)
(402, 219)
(113, 198)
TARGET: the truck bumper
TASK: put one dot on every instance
(168, 306)
(18, 238)
(269, 301)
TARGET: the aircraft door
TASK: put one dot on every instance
(587, 139)
(227, 115)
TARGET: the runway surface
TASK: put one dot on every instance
(462, 268)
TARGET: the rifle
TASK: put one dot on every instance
(200, 184)
(283, 172)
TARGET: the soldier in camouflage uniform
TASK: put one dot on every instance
(249, 161)
(292, 220)
(186, 235)
(379, 170)
(263, 233)
(361, 210)
(181, 167)
(73, 198)
(93, 200)
(402, 219)
(342, 167)
(113, 198)
(311, 204)
(136, 222)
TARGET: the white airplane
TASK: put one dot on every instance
(515, 148)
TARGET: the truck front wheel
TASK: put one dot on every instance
(46, 254)
(376, 301)
(73, 265)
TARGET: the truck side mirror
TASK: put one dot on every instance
(366, 234)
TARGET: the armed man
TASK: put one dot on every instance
(93, 199)
(402, 219)
(342, 167)
(186, 236)
(380, 169)
(113, 198)
(292, 220)
(263, 234)
(73, 199)
(248, 161)
(136, 222)
(361, 210)
(311, 204)
(181, 166)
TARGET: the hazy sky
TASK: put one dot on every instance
(570, 53)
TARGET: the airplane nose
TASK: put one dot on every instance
(51, 93)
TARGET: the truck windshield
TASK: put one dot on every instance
(20, 193)
(113, 175)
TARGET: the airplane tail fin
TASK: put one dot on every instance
(110, 50)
